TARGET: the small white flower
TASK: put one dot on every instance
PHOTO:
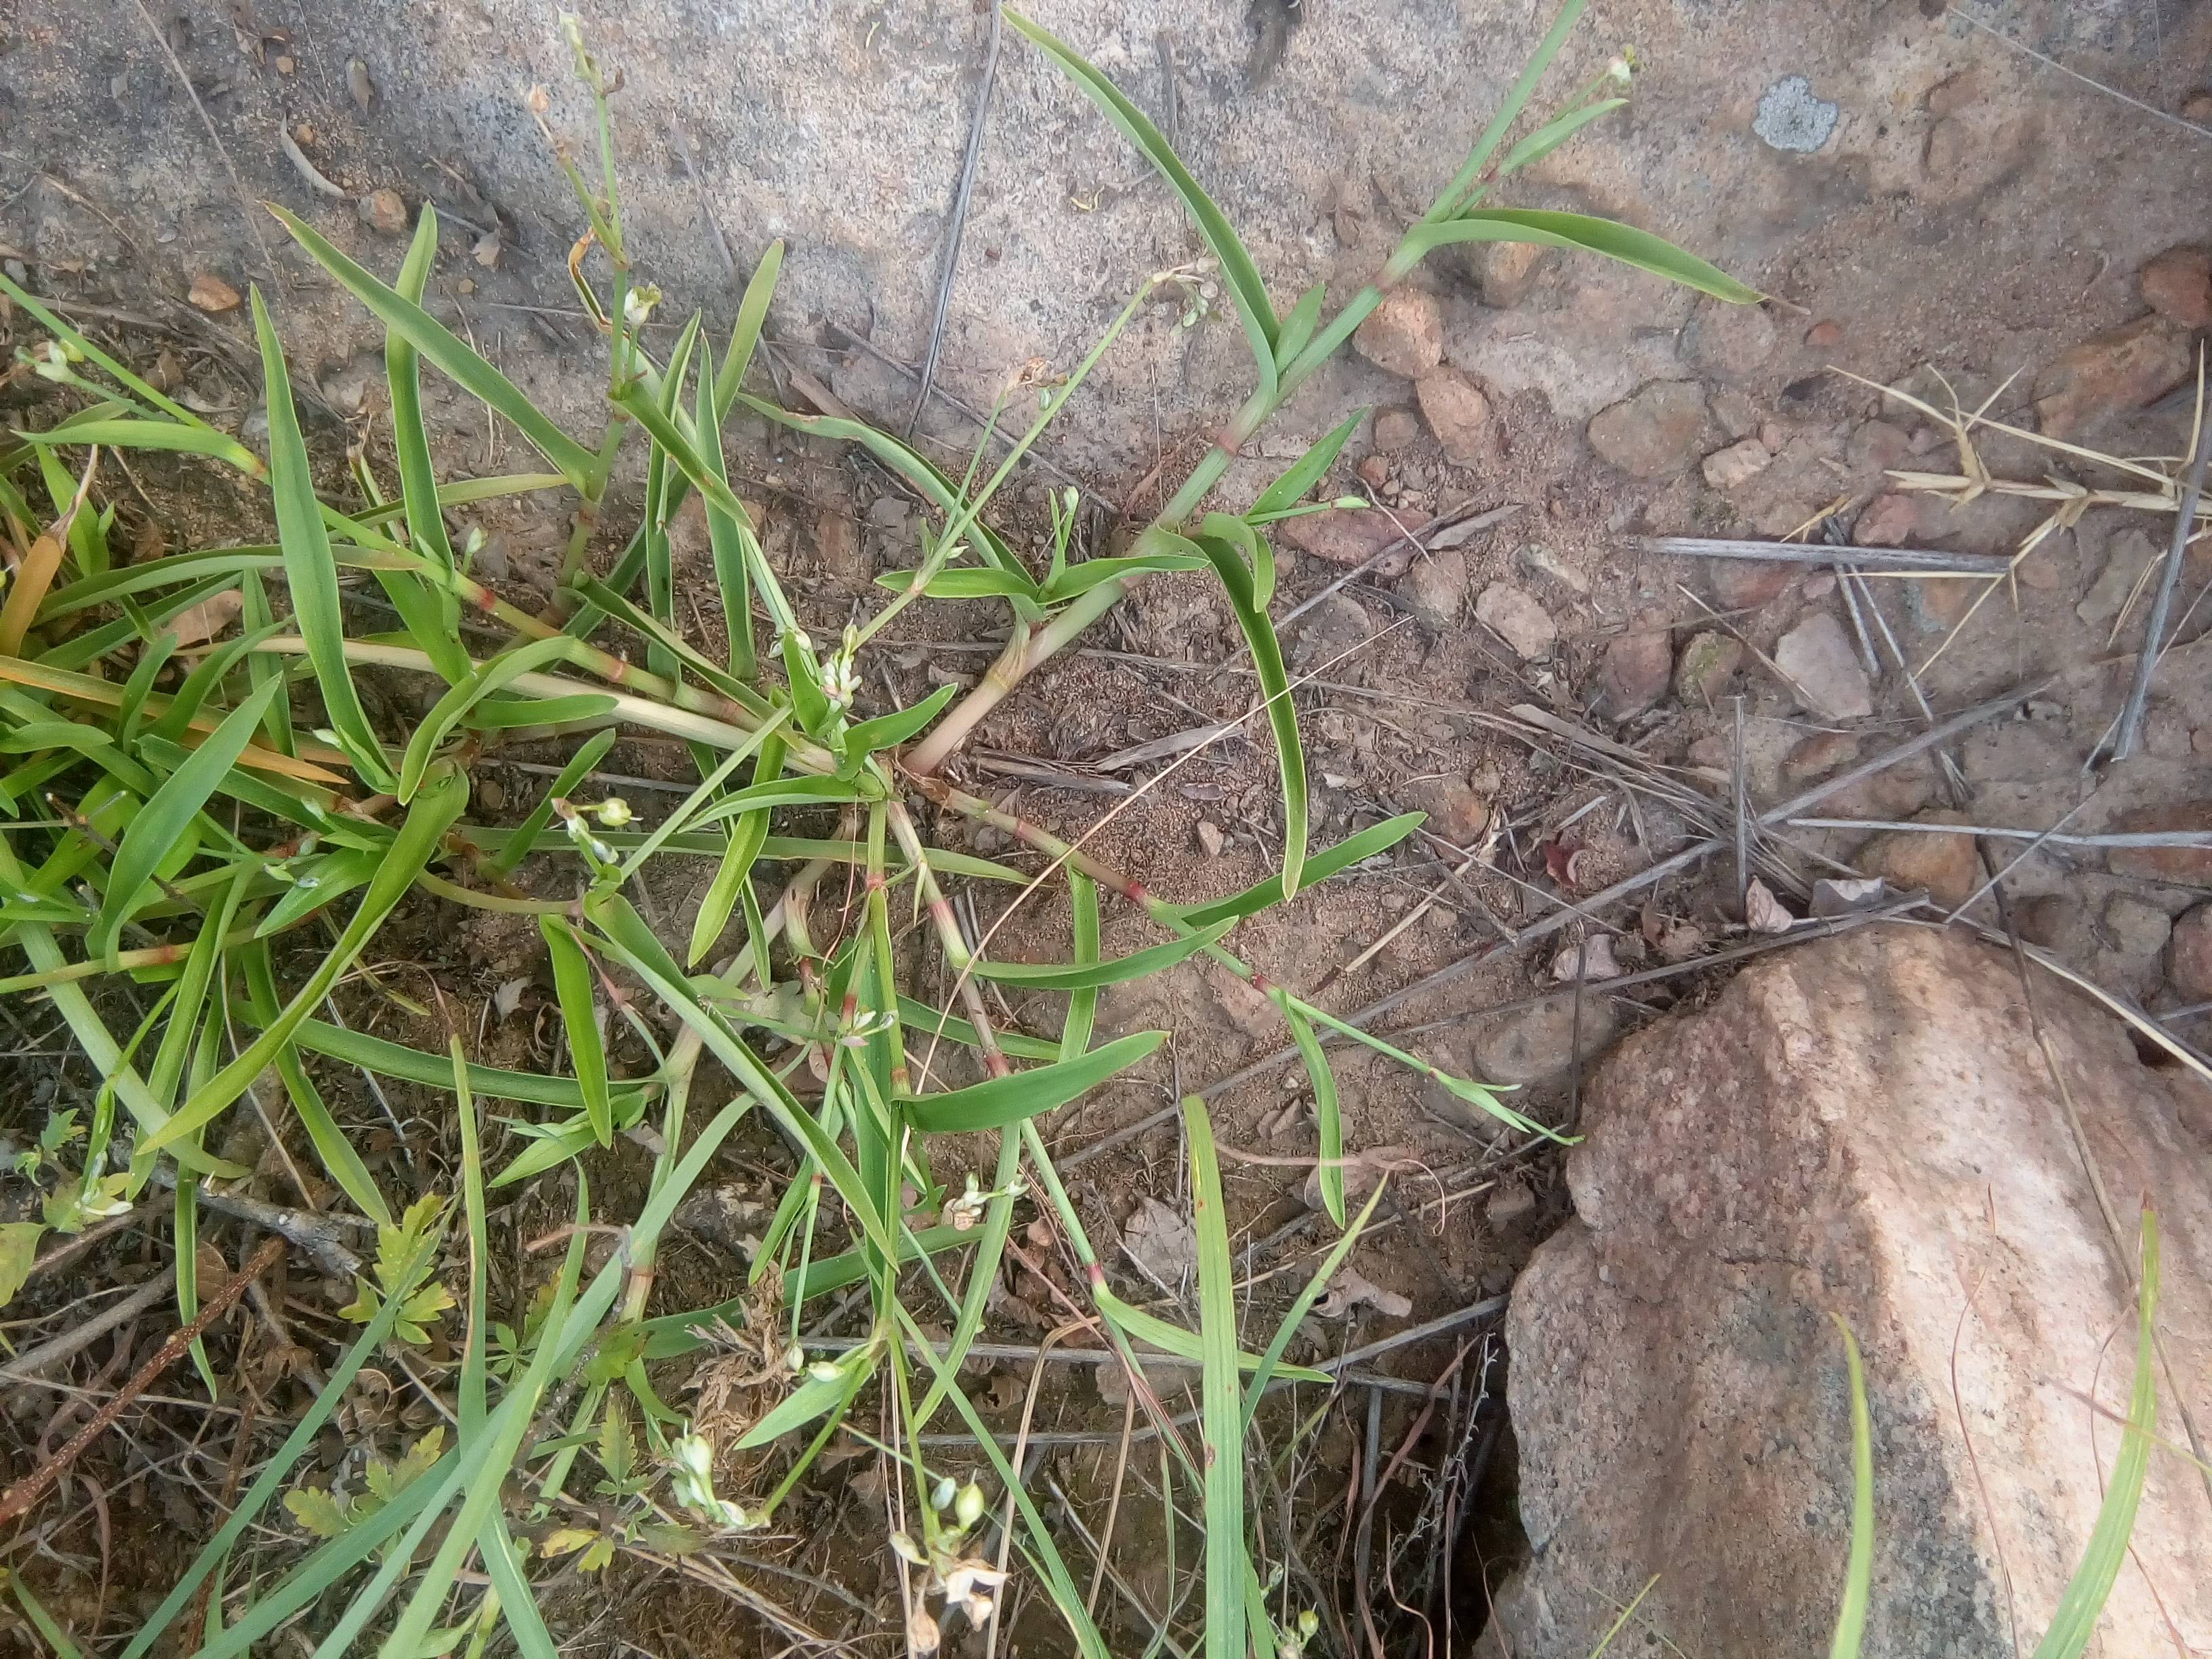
(968, 1505)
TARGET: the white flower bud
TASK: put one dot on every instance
(968, 1506)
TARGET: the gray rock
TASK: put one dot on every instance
(1727, 341)
(1821, 1140)
(1658, 430)
(1791, 118)
(1405, 334)
(1819, 661)
(1436, 588)
(1709, 663)
(1539, 560)
(2189, 955)
(1539, 1042)
(1636, 667)
(2125, 555)
(1459, 412)
(2137, 927)
(1332, 628)
(1738, 464)
(1515, 616)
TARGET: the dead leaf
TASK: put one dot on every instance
(1763, 911)
(1163, 1244)
(1837, 898)
(506, 999)
(1681, 940)
(211, 293)
(203, 621)
(488, 248)
(1350, 1290)
(1592, 958)
(1003, 1391)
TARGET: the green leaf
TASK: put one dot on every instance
(1221, 1406)
(811, 1399)
(418, 479)
(1303, 474)
(1241, 276)
(1298, 325)
(780, 791)
(389, 1059)
(1326, 1112)
(1262, 896)
(486, 679)
(2082, 1603)
(1455, 194)
(518, 845)
(727, 537)
(452, 358)
(309, 570)
(1264, 1373)
(1080, 977)
(1553, 133)
(1003, 1100)
(890, 731)
(571, 982)
(921, 1017)
(1858, 1573)
(340, 1160)
(966, 582)
(1282, 714)
(744, 333)
(163, 822)
(1083, 1006)
(1079, 579)
(747, 836)
(19, 1251)
(1630, 245)
(170, 435)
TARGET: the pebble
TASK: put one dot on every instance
(1823, 334)
(212, 295)
(1636, 668)
(489, 795)
(384, 212)
(2047, 920)
(1539, 560)
(1405, 334)
(2138, 928)
(1737, 414)
(889, 513)
(1947, 866)
(1709, 663)
(1539, 1042)
(1515, 616)
(1396, 429)
(1332, 628)
(837, 542)
(1374, 470)
(2198, 107)
(1820, 754)
(1436, 588)
(1745, 584)
(2191, 864)
(1738, 464)
(1210, 839)
(1339, 537)
(1937, 607)
(2125, 555)
(1509, 1205)
(1875, 445)
(1458, 811)
(1818, 659)
(1890, 520)
(1459, 412)
(2189, 955)
(1504, 272)
(2111, 374)
(2178, 286)
(1728, 341)
(1657, 431)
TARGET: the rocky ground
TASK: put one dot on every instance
(1945, 222)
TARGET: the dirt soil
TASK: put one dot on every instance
(1931, 208)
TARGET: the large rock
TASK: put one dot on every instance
(1863, 1127)
(1658, 431)
(2112, 374)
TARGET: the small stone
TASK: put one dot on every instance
(2189, 865)
(2126, 555)
(2198, 107)
(2189, 955)
(1657, 431)
(384, 212)
(1209, 838)
(1737, 414)
(1824, 334)
(1635, 671)
(1539, 560)
(889, 513)
(212, 295)
(1504, 272)
(1510, 1204)
(2178, 286)
(1339, 537)
(1791, 118)
(1937, 607)
(1457, 810)
(1404, 335)
(1374, 470)
(2038, 568)
(1947, 866)
(1875, 445)
(1395, 430)
(1533, 1043)
(1331, 628)
(1515, 616)
(1746, 584)
(2111, 374)
(358, 83)
(1948, 97)
(1709, 663)
(489, 795)
(1889, 520)
(1820, 754)
(2047, 920)
(1436, 588)
(1738, 464)
(2137, 928)
(1818, 661)
(1459, 412)
(1728, 341)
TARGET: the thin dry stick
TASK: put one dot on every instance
(1888, 561)
(2184, 518)
(1112, 1505)
(78, 1338)
(33, 1487)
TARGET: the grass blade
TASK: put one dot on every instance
(1222, 1412)
(1264, 1373)
(1004, 1100)
(1630, 245)
(1524, 87)
(309, 569)
(572, 983)
(1275, 686)
(1326, 1111)
(1089, 976)
(452, 358)
(2074, 1622)
(1246, 290)
(418, 479)
(1261, 896)
(1858, 1573)
(1303, 474)
(1083, 1006)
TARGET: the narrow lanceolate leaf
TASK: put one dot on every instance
(1246, 290)
(482, 681)
(890, 731)
(418, 479)
(1079, 579)
(1455, 194)
(433, 813)
(1553, 133)
(1081, 977)
(1858, 1573)
(744, 333)
(1303, 474)
(572, 982)
(1083, 1006)
(1298, 324)
(1326, 1110)
(1632, 246)
(1222, 1410)
(726, 536)
(161, 824)
(2083, 1601)
(1009, 1099)
(309, 570)
(1296, 1314)
(1262, 896)
(1275, 687)
(451, 357)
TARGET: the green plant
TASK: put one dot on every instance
(171, 817)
